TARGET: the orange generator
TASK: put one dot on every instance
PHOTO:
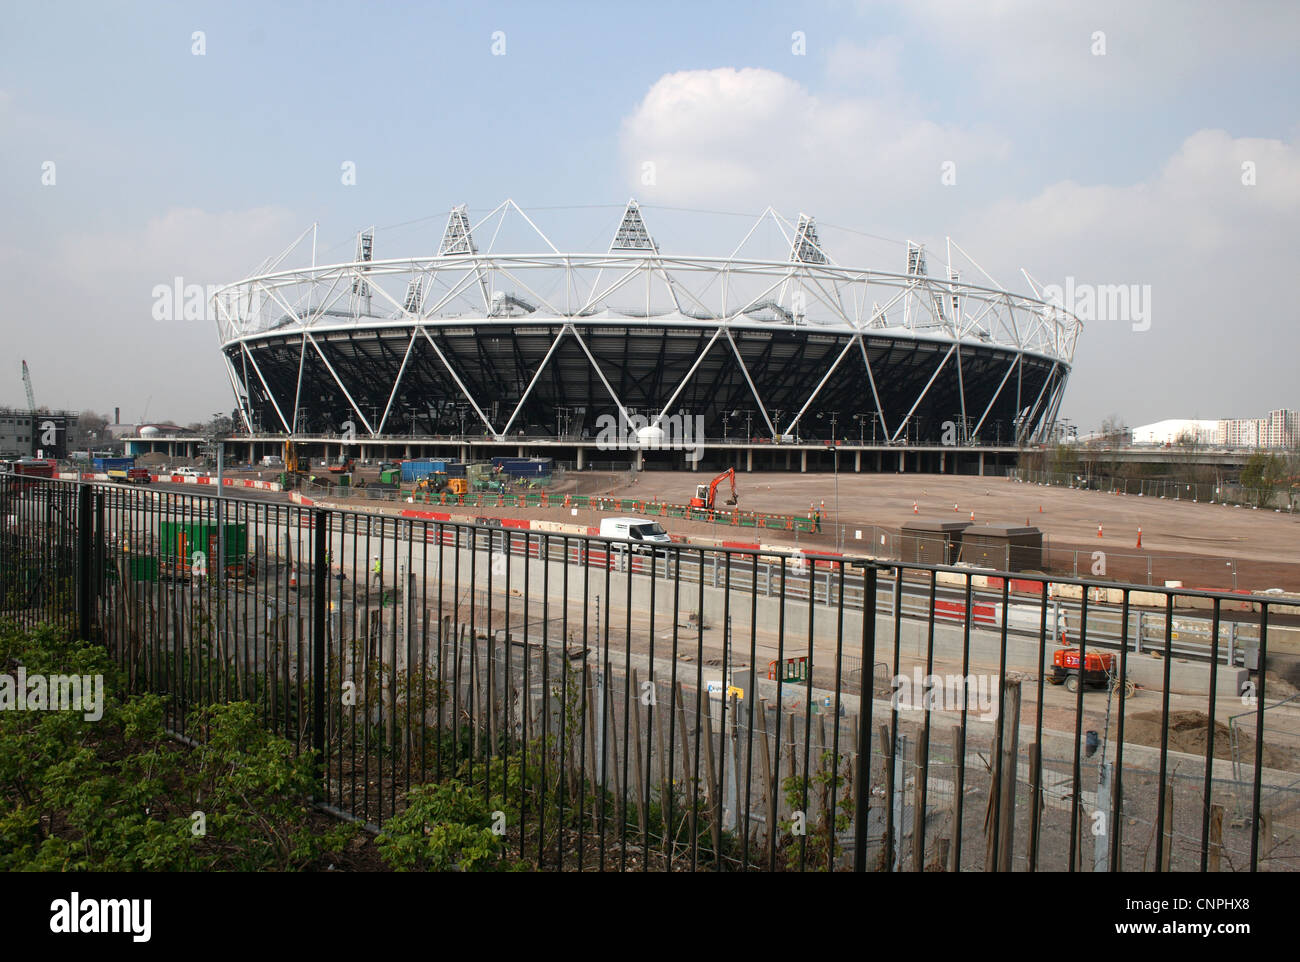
(1096, 672)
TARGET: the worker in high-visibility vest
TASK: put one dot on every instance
(378, 569)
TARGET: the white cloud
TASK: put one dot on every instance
(1039, 50)
(1214, 253)
(875, 67)
(751, 137)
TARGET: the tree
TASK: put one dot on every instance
(1065, 460)
(1189, 440)
(1262, 476)
(1115, 434)
(90, 427)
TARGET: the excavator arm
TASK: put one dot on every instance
(727, 475)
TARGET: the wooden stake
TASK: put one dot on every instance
(710, 774)
(1166, 854)
(1010, 760)
(686, 759)
(1216, 838)
(1036, 806)
(765, 764)
(1004, 777)
(589, 720)
(1266, 839)
(638, 773)
(941, 855)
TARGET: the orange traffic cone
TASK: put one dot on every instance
(972, 515)
(915, 509)
(1040, 509)
(954, 508)
(1098, 529)
(1139, 544)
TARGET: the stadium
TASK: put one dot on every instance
(533, 348)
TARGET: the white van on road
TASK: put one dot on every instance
(634, 529)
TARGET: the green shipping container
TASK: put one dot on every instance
(180, 539)
(143, 568)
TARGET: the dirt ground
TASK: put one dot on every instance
(1202, 545)
(1189, 732)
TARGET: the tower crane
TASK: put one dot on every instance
(31, 397)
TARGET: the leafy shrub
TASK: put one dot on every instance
(446, 826)
(119, 794)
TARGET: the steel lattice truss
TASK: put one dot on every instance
(474, 341)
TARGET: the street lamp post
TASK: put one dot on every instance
(838, 529)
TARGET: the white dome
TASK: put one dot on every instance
(149, 432)
(651, 436)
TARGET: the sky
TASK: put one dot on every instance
(1151, 145)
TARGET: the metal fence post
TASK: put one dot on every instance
(862, 772)
(319, 588)
(85, 524)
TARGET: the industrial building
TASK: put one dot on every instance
(23, 435)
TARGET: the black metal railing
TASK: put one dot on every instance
(677, 707)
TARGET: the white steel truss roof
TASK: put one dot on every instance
(635, 283)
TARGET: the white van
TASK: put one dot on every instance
(272, 461)
(634, 529)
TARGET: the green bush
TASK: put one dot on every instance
(119, 794)
(446, 826)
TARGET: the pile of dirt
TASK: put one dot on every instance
(1189, 732)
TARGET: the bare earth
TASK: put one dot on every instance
(1201, 545)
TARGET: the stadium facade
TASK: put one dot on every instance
(539, 347)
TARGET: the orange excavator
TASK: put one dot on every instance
(706, 494)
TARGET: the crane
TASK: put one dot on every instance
(706, 494)
(31, 397)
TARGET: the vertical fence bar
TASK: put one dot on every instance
(862, 791)
(320, 586)
(1160, 858)
(1259, 737)
(84, 583)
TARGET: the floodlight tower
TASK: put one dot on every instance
(365, 254)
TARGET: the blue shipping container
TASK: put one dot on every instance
(113, 464)
(532, 468)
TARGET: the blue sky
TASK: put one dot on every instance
(1116, 168)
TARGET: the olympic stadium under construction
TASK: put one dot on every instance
(490, 351)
